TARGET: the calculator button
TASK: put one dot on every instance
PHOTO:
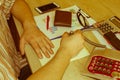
(118, 70)
(99, 58)
(108, 71)
(102, 64)
(93, 61)
(105, 27)
(98, 63)
(111, 62)
(116, 62)
(106, 65)
(92, 64)
(100, 69)
(91, 68)
(103, 59)
(114, 69)
(95, 58)
(95, 68)
(118, 66)
(110, 66)
(104, 70)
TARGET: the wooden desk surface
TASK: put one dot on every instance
(97, 9)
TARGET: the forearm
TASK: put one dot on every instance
(55, 69)
(23, 13)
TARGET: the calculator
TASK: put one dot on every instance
(112, 24)
(104, 66)
(108, 28)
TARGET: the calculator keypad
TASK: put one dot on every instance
(104, 66)
(112, 24)
(105, 27)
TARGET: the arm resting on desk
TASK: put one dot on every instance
(54, 70)
(31, 34)
(69, 47)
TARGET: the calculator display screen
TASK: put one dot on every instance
(115, 21)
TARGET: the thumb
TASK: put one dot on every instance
(22, 45)
(65, 34)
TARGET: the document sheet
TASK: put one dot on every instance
(53, 31)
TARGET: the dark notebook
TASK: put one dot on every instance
(62, 18)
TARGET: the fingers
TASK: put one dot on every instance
(48, 46)
(65, 34)
(36, 49)
(49, 42)
(42, 47)
(45, 48)
(78, 31)
(71, 33)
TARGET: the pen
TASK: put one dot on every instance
(71, 32)
(82, 29)
(47, 22)
(56, 37)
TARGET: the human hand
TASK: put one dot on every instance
(72, 43)
(40, 43)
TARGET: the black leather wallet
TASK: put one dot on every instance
(62, 18)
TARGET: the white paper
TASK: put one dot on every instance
(41, 22)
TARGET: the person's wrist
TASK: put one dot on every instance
(27, 24)
(65, 52)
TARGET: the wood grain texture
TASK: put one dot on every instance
(97, 9)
